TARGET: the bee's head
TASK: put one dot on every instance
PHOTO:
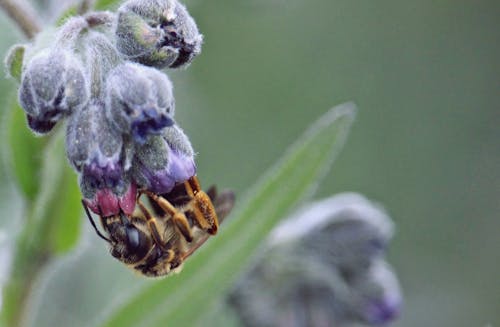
(130, 239)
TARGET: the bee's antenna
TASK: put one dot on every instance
(89, 216)
(123, 217)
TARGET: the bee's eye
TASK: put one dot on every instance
(133, 238)
(136, 242)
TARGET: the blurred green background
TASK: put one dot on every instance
(426, 142)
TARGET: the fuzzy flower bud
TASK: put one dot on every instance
(97, 152)
(164, 161)
(322, 267)
(139, 100)
(376, 297)
(94, 148)
(52, 86)
(101, 57)
(158, 33)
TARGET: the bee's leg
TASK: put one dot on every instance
(152, 225)
(178, 217)
(202, 206)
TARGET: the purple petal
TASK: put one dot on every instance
(383, 311)
(157, 181)
(147, 123)
(104, 203)
(127, 200)
(103, 174)
(180, 167)
(40, 126)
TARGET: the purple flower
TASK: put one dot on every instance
(41, 126)
(139, 100)
(322, 267)
(93, 146)
(158, 33)
(53, 85)
(383, 311)
(376, 295)
(97, 152)
(164, 161)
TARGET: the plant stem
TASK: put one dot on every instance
(34, 245)
(85, 6)
(30, 257)
(23, 14)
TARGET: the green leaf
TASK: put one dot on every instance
(24, 152)
(55, 213)
(185, 298)
(67, 214)
(68, 13)
(106, 4)
(58, 202)
(52, 226)
(14, 61)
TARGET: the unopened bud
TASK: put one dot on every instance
(164, 161)
(322, 267)
(94, 148)
(375, 296)
(158, 33)
(353, 229)
(53, 85)
(101, 57)
(139, 100)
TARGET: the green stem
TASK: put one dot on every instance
(31, 255)
(85, 6)
(23, 14)
(35, 245)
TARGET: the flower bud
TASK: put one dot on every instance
(40, 126)
(164, 161)
(139, 100)
(353, 229)
(158, 33)
(101, 57)
(94, 148)
(376, 296)
(319, 268)
(52, 86)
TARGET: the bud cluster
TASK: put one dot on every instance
(101, 73)
(324, 266)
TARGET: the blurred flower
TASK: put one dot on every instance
(158, 33)
(376, 299)
(322, 267)
(164, 161)
(139, 100)
(52, 86)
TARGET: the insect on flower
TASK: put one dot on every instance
(157, 239)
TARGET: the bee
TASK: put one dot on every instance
(156, 239)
